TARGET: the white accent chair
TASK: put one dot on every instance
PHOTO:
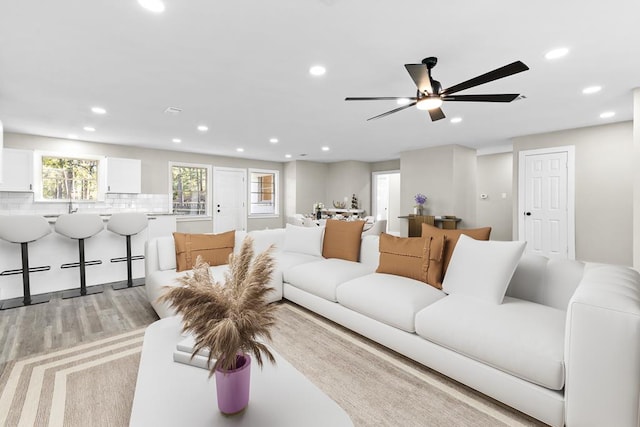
(376, 229)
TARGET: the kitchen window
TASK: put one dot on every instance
(69, 178)
(263, 191)
(190, 188)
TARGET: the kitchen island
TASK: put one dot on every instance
(55, 250)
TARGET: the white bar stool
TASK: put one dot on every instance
(24, 229)
(127, 224)
(80, 227)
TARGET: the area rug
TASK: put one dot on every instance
(93, 384)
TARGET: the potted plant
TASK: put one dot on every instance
(229, 319)
(420, 201)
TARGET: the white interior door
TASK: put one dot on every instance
(229, 199)
(546, 202)
(386, 199)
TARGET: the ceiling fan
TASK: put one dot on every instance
(430, 94)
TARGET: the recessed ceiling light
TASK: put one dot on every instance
(325, 148)
(98, 110)
(203, 128)
(156, 6)
(288, 156)
(176, 140)
(72, 136)
(556, 53)
(317, 70)
(403, 101)
(173, 110)
(456, 120)
(273, 140)
(240, 150)
(607, 115)
(591, 89)
(89, 129)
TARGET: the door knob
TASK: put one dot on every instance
(527, 213)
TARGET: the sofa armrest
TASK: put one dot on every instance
(602, 349)
(151, 256)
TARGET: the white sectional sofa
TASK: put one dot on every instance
(563, 347)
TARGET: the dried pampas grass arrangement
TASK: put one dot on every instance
(228, 318)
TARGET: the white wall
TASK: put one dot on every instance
(155, 168)
(636, 179)
(604, 188)
(446, 175)
(348, 178)
(495, 179)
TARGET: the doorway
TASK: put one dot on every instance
(386, 199)
(229, 199)
(546, 201)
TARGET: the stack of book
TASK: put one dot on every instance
(184, 351)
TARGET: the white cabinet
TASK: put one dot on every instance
(123, 175)
(161, 225)
(17, 170)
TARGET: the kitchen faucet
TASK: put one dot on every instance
(71, 210)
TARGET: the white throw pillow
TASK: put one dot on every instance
(482, 269)
(262, 239)
(303, 240)
(166, 253)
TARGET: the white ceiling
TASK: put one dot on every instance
(241, 68)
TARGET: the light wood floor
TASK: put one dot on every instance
(61, 323)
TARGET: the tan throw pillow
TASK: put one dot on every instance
(451, 238)
(214, 248)
(342, 239)
(435, 254)
(403, 256)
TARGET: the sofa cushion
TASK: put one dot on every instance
(286, 260)
(519, 337)
(451, 238)
(322, 278)
(403, 256)
(304, 240)
(262, 239)
(342, 239)
(482, 269)
(388, 298)
(213, 248)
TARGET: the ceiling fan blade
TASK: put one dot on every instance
(507, 70)
(420, 76)
(436, 114)
(380, 98)
(392, 111)
(505, 97)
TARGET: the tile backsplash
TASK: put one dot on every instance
(23, 203)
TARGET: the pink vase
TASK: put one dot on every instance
(233, 386)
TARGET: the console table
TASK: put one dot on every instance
(174, 394)
(416, 221)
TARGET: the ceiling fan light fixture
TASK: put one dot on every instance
(429, 103)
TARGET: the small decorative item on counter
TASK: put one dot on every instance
(339, 205)
(354, 202)
(420, 200)
(317, 208)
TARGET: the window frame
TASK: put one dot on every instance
(38, 181)
(276, 193)
(209, 203)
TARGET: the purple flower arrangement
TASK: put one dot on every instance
(420, 199)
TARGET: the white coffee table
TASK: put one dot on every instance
(173, 394)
